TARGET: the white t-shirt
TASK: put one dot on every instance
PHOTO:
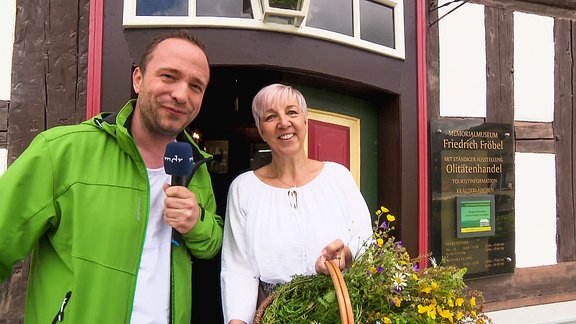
(152, 296)
(274, 233)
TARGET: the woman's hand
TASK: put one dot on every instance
(335, 250)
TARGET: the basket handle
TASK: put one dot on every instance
(344, 304)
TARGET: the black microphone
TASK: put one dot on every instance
(178, 162)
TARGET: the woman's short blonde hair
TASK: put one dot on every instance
(274, 95)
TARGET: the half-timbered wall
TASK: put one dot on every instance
(534, 140)
(48, 89)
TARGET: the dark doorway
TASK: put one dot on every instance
(226, 121)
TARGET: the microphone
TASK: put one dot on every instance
(178, 162)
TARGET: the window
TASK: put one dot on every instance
(375, 25)
(223, 8)
(332, 15)
(162, 8)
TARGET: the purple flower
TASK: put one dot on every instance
(384, 225)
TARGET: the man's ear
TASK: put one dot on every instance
(136, 79)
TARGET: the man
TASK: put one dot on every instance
(94, 205)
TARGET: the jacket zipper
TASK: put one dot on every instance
(60, 316)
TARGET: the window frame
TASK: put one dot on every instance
(130, 20)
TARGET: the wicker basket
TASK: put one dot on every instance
(344, 304)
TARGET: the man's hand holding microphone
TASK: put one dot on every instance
(181, 209)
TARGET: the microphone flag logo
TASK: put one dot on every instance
(178, 160)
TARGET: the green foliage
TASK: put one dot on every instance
(385, 286)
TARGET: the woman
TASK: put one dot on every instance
(289, 216)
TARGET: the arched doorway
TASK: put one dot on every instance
(226, 127)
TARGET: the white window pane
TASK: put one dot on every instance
(162, 8)
(224, 8)
(377, 23)
(332, 15)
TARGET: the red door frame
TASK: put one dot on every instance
(95, 58)
(422, 128)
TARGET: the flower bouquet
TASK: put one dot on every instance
(384, 284)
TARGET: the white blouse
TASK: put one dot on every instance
(274, 233)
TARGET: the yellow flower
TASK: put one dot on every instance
(473, 301)
(459, 301)
(380, 242)
(459, 315)
(387, 320)
(446, 313)
(384, 209)
(372, 270)
(423, 309)
(390, 218)
(432, 313)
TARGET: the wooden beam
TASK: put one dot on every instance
(552, 8)
(3, 115)
(499, 65)
(533, 130)
(528, 286)
(564, 121)
(4, 123)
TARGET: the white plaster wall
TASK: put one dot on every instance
(462, 61)
(533, 67)
(534, 101)
(535, 206)
(3, 160)
(8, 10)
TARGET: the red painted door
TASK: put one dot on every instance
(329, 142)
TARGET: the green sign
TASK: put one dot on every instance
(475, 216)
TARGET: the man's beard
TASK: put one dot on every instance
(152, 121)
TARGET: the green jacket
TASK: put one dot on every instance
(78, 198)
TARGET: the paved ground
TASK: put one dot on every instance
(556, 313)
